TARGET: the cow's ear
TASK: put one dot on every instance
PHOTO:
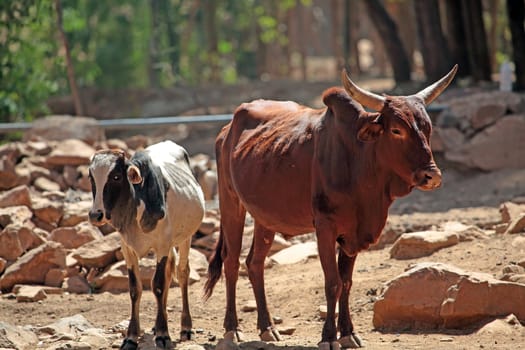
(370, 129)
(134, 176)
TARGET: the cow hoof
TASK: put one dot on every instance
(329, 346)
(352, 341)
(270, 334)
(186, 334)
(129, 344)
(234, 336)
(163, 342)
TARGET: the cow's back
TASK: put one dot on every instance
(265, 156)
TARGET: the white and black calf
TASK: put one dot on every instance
(155, 202)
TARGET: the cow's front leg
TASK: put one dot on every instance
(326, 245)
(160, 286)
(135, 293)
(183, 271)
(348, 338)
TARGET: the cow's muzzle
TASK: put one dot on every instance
(97, 217)
(428, 179)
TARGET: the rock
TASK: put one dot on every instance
(10, 176)
(296, 253)
(451, 138)
(418, 244)
(74, 237)
(44, 184)
(516, 225)
(3, 264)
(10, 245)
(206, 242)
(33, 266)
(30, 294)
(70, 152)
(442, 295)
(510, 211)
(48, 211)
(77, 284)
(249, 306)
(465, 232)
(63, 127)
(75, 213)
(286, 330)
(209, 225)
(487, 114)
(98, 253)
(18, 214)
(74, 326)
(55, 277)
(18, 196)
(198, 261)
(519, 242)
(496, 147)
(15, 337)
(499, 327)
(389, 235)
(279, 243)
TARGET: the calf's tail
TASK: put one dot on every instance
(214, 268)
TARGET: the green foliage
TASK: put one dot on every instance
(27, 59)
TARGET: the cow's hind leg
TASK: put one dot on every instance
(348, 338)
(135, 293)
(160, 287)
(262, 242)
(183, 275)
(232, 226)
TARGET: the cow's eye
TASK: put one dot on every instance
(396, 131)
(116, 177)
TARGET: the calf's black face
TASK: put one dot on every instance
(108, 173)
(126, 190)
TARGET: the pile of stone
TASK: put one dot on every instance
(483, 131)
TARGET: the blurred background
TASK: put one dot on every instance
(127, 58)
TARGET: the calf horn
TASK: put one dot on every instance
(431, 92)
(366, 98)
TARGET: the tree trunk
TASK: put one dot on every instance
(434, 48)
(387, 30)
(476, 40)
(153, 75)
(456, 38)
(173, 37)
(516, 14)
(213, 41)
(79, 110)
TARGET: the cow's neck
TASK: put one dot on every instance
(124, 214)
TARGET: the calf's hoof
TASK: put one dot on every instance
(329, 345)
(129, 344)
(352, 341)
(186, 334)
(270, 334)
(234, 336)
(163, 342)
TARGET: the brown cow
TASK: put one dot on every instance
(334, 170)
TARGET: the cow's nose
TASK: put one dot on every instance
(96, 216)
(430, 178)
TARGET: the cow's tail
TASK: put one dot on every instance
(214, 267)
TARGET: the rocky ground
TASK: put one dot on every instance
(471, 226)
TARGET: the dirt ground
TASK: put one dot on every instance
(295, 292)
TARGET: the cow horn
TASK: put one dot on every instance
(431, 92)
(366, 98)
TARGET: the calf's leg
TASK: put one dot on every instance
(262, 242)
(348, 339)
(183, 272)
(160, 286)
(135, 293)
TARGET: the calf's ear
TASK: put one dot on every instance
(134, 176)
(370, 129)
